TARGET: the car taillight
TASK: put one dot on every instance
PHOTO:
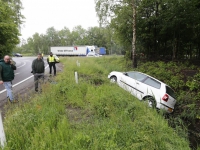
(165, 98)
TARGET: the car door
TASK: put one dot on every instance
(132, 82)
(127, 82)
(148, 86)
(139, 86)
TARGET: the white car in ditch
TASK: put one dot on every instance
(144, 87)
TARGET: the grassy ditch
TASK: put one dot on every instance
(93, 114)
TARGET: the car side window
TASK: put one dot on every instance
(152, 82)
(137, 76)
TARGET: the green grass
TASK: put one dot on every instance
(93, 114)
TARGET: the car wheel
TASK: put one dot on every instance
(113, 79)
(151, 101)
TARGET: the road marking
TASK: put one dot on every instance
(20, 82)
(22, 65)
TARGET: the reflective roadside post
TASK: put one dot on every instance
(76, 77)
(2, 134)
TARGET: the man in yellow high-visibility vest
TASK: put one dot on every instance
(52, 63)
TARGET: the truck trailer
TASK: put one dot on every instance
(74, 50)
(101, 50)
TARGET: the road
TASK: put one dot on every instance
(23, 76)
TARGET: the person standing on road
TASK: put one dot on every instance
(38, 68)
(7, 67)
(51, 60)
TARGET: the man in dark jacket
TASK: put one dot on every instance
(38, 70)
(7, 67)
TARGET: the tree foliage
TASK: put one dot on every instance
(165, 28)
(101, 37)
(10, 20)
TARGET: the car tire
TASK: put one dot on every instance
(151, 101)
(113, 79)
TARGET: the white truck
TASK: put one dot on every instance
(71, 50)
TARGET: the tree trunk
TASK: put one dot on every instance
(198, 51)
(174, 49)
(134, 36)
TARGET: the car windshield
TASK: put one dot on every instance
(170, 92)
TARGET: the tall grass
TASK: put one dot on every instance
(93, 114)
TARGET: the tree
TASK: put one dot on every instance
(168, 28)
(134, 34)
(113, 10)
(8, 29)
(53, 38)
(64, 36)
(100, 37)
(16, 7)
(97, 36)
(78, 36)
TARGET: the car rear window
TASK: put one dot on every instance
(170, 92)
(153, 83)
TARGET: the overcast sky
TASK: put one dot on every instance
(43, 14)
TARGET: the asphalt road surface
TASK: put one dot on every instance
(23, 76)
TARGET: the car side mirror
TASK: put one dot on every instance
(125, 73)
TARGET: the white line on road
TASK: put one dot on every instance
(20, 82)
(22, 65)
